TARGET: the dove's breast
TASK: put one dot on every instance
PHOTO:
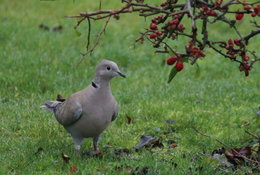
(96, 116)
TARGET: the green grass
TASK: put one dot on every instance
(36, 65)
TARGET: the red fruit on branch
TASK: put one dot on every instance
(153, 26)
(230, 42)
(171, 60)
(204, 8)
(170, 22)
(179, 66)
(245, 57)
(211, 13)
(237, 42)
(153, 35)
(181, 27)
(176, 21)
(239, 16)
(247, 7)
(164, 4)
(159, 17)
(253, 14)
(154, 21)
(257, 10)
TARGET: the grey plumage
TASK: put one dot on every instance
(87, 113)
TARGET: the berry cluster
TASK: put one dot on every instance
(175, 59)
(167, 26)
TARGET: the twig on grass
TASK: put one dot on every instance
(226, 145)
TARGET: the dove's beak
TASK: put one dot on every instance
(121, 74)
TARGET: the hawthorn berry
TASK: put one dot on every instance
(239, 16)
(245, 57)
(211, 13)
(247, 7)
(171, 60)
(153, 35)
(170, 22)
(253, 14)
(237, 42)
(175, 21)
(163, 4)
(153, 26)
(154, 21)
(179, 66)
(181, 27)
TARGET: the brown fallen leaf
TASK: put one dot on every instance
(129, 119)
(148, 141)
(65, 158)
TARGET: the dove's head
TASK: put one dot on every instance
(105, 71)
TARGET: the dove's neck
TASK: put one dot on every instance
(101, 85)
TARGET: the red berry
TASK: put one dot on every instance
(253, 14)
(179, 66)
(205, 8)
(159, 17)
(247, 7)
(211, 13)
(237, 42)
(171, 60)
(163, 4)
(153, 26)
(153, 35)
(175, 21)
(245, 57)
(154, 21)
(181, 27)
(230, 42)
(229, 47)
(170, 22)
(241, 68)
(239, 16)
(159, 33)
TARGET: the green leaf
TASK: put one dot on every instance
(77, 32)
(197, 73)
(172, 74)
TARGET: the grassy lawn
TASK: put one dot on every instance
(36, 65)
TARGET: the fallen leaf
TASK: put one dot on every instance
(129, 119)
(38, 150)
(144, 140)
(148, 141)
(65, 158)
(237, 155)
(73, 169)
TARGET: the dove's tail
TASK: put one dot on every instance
(51, 106)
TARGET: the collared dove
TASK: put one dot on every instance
(87, 113)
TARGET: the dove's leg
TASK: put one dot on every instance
(95, 145)
(77, 142)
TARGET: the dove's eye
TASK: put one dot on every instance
(108, 68)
